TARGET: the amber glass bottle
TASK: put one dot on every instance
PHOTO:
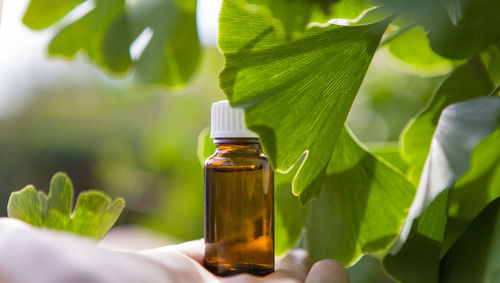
(239, 199)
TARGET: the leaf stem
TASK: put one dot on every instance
(397, 33)
(495, 91)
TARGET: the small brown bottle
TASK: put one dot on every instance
(239, 199)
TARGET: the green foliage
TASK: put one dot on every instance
(267, 76)
(461, 127)
(107, 32)
(416, 258)
(93, 216)
(206, 147)
(391, 153)
(456, 29)
(358, 211)
(290, 216)
(295, 15)
(468, 81)
(412, 48)
(479, 186)
(350, 9)
(475, 256)
(42, 14)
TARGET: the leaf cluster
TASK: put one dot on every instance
(93, 215)
(122, 37)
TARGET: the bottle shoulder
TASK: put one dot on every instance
(224, 160)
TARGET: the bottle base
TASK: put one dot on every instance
(253, 269)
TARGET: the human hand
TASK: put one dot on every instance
(47, 256)
(185, 260)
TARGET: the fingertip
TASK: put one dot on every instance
(295, 264)
(327, 271)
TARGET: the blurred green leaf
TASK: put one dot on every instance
(87, 33)
(172, 54)
(456, 29)
(206, 146)
(358, 210)
(468, 81)
(41, 14)
(475, 257)
(460, 129)
(413, 50)
(93, 216)
(269, 77)
(109, 31)
(492, 60)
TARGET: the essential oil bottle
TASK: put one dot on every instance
(239, 198)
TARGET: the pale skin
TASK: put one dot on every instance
(184, 262)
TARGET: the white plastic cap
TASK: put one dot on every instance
(228, 122)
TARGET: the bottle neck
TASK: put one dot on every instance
(248, 146)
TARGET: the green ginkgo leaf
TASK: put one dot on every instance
(412, 49)
(456, 29)
(296, 94)
(166, 48)
(94, 213)
(359, 211)
(475, 257)
(461, 128)
(468, 81)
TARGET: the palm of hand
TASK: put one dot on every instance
(184, 263)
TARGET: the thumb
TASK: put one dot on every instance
(327, 271)
(294, 265)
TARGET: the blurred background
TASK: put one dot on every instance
(140, 143)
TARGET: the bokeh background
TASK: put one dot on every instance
(140, 143)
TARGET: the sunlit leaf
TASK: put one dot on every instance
(295, 15)
(391, 152)
(358, 210)
(418, 259)
(350, 9)
(290, 216)
(461, 128)
(468, 81)
(93, 216)
(412, 49)
(478, 187)
(296, 94)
